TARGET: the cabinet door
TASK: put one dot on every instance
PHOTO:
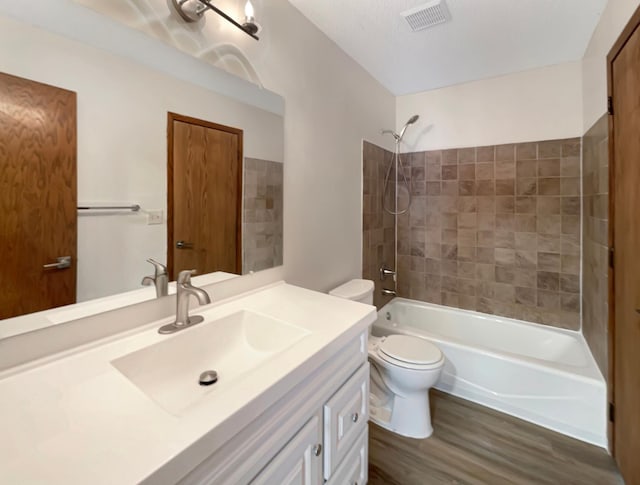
(354, 468)
(345, 416)
(300, 461)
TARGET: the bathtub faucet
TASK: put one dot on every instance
(384, 272)
(388, 292)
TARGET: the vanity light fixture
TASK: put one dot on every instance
(193, 10)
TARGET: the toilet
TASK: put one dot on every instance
(403, 369)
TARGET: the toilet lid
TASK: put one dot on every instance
(414, 350)
(353, 290)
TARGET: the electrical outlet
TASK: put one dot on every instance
(154, 217)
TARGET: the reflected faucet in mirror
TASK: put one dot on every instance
(160, 278)
(184, 291)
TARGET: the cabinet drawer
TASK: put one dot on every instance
(345, 416)
(299, 462)
(354, 468)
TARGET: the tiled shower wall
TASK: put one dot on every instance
(494, 229)
(595, 183)
(262, 215)
(378, 227)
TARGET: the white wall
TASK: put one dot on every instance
(331, 105)
(122, 123)
(594, 65)
(538, 104)
(552, 102)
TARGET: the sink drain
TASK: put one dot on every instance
(208, 377)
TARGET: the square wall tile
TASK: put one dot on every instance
(494, 229)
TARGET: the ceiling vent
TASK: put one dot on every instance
(427, 15)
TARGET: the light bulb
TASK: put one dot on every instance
(250, 25)
(248, 10)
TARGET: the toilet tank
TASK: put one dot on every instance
(356, 290)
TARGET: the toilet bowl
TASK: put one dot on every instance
(403, 369)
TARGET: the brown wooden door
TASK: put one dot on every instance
(38, 211)
(205, 196)
(625, 90)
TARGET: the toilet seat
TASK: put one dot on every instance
(409, 352)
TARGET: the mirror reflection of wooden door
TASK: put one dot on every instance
(624, 89)
(205, 196)
(38, 206)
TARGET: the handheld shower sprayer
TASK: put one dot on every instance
(400, 171)
(411, 121)
(398, 138)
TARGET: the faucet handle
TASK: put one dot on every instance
(184, 277)
(160, 269)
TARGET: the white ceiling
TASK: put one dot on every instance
(485, 38)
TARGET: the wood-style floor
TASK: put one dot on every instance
(472, 444)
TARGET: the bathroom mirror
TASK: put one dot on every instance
(127, 86)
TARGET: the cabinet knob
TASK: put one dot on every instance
(354, 417)
(317, 449)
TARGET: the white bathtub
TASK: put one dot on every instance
(540, 374)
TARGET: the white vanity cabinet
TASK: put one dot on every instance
(316, 433)
(290, 405)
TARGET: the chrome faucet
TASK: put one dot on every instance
(185, 291)
(384, 272)
(159, 279)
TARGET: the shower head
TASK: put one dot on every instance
(398, 138)
(411, 121)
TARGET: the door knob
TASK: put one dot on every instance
(354, 417)
(184, 245)
(317, 449)
(62, 262)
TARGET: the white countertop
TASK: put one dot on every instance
(67, 313)
(77, 419)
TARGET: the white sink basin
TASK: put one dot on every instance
(168, 372)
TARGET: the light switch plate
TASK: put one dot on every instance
(154, 217)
